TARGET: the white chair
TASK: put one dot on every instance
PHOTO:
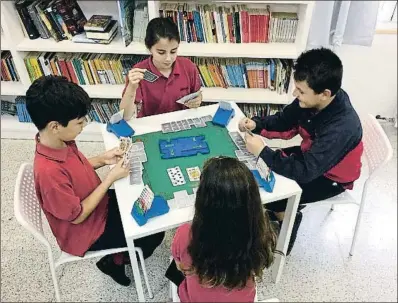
(377, 152)
(28, 213)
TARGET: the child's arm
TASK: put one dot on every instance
(282, 125)
(91, 202)
(110, 157)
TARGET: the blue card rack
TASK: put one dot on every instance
(223, 116)
(267, 185)
(120, 129)
(159, 207)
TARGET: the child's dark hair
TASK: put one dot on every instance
(54, 98)
(232, 239)
(321, 68)
(161, 28)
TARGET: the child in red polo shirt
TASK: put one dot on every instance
(81, 210)
(178, 76)
(230, 241)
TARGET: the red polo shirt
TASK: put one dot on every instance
(63, 179)
(160, 96)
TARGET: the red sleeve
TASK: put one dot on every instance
(58, 196)
(180, 243)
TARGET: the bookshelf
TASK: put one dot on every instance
(13, 39)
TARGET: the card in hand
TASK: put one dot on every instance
(150, 77)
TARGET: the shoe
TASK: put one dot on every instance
(296, 225)
(116, 272)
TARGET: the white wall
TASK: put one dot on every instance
(370, 75)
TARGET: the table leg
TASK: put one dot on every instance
(284, 236)
(136, 270)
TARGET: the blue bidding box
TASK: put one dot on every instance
(267, 185)
(120, 129)
(159, 207)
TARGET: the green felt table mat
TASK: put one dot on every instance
(155, 169)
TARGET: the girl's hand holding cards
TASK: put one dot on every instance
(135, 75)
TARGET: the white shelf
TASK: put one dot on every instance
(242, 95)
(210, 94)
(5, 44)
(11, 88)
(11, 128)
(230, 50)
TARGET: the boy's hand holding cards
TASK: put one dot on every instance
(188, 98)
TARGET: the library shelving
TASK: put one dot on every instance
(13, 39)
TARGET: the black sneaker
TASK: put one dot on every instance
(116, 272)
(296, 225)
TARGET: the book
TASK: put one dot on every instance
(97, 23)
(26, 20)
(82, 38)
(126, 17)
(106, 34)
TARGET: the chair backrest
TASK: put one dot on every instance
(377, 147)
(27, 209)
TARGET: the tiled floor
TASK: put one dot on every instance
(318, 269)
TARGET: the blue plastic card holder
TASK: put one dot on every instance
(120, 129)
(267, 185)
(223, 116)
(159, 207)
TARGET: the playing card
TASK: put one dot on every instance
(185, 124)
(263, 169)
(200, 124)
(241, 153)
(225, 105)
(207, 118)
(193, 173)
(135, 178)
(145, 199)
(249, 131)
(141, 156)
(117, 117)
(166, 128)
(174, 126)
(187, 98)
(176, 176)
(150, 77)
(179, 123)
(190, 122)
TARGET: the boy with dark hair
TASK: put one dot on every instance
(329, 158)
(81, 210)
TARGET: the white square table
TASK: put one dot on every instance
(126, 194)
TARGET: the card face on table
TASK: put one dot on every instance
(176, 176)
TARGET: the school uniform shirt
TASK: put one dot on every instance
(160, 97)
(331, 147)
(190, 290)
(63, 179)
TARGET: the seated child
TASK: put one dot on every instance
(81, 210)
(230, 240)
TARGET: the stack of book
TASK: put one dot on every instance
(272, 74)
(57, 19)
(101, 109)
(260, 110)
(82, 68)
(8, 108)
(230, 24)
(98, 29)
(8, 70)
